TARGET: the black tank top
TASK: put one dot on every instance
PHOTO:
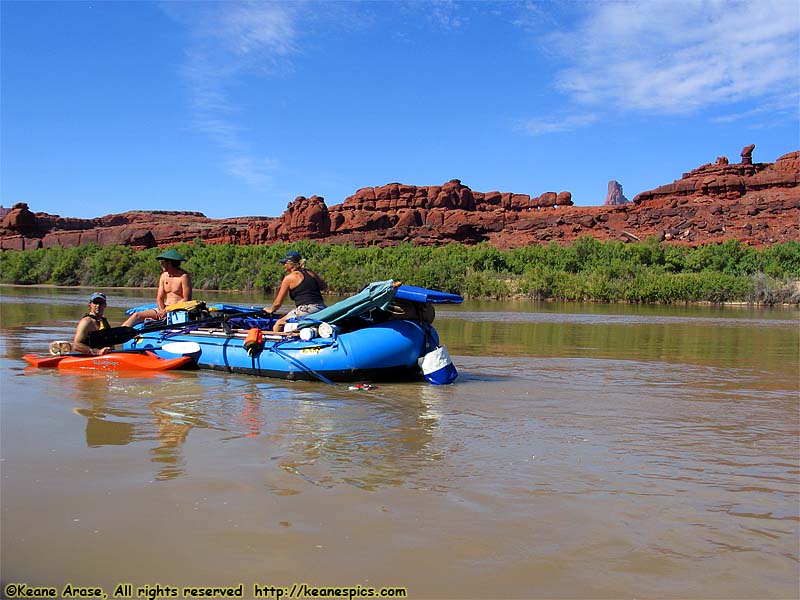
(307, 292)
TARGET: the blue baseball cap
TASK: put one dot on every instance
(97, 296)
(292, 256)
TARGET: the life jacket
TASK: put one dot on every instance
(102, 322)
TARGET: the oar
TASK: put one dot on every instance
(112, 336)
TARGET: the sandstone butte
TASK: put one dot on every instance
(756, 203)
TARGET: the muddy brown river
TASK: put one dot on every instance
(585, 452)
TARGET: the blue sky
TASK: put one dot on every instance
(236, 108)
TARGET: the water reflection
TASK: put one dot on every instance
(710, 341)
(102, 431)
(172, 429)
(363, 438)
(323, 436)
(115, 415)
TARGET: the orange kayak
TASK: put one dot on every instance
(113, 361)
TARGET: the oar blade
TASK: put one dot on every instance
(102, 338)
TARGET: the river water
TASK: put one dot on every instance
(585, 451)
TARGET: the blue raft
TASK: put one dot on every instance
(381, 333)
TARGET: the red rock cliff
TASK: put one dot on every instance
(757, 203)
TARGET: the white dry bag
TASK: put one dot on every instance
(437, 367)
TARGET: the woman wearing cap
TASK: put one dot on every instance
(303, 286)
(91, 321)
(174, 285)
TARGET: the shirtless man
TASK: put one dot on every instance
(174, 285)
(91, 321)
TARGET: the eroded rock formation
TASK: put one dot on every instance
(20, 219)
(615, 197)
(758, 203)
(747, 154)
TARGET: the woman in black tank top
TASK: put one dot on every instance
(302, 285)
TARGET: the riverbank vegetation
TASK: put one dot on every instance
(588, 270)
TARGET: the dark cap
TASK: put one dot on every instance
(170, 254)
(97, 296)
(292, 256)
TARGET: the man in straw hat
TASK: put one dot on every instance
(174, 285)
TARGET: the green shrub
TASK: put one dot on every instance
(644, 272)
